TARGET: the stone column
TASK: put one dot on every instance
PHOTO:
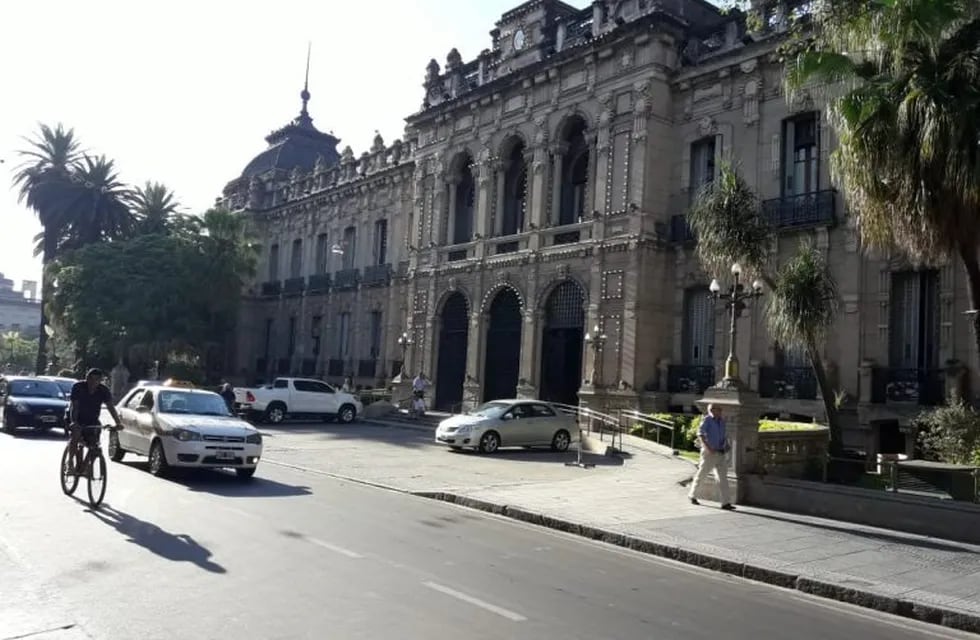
(637, 158)
(451, 187)
(557, 165)
(498, 217)
(484, 201)
(538, 196)
(603, 151)
(439, 213)
(474, 361)
(741, 409)
(525, 385)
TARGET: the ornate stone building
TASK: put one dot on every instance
(539, 193)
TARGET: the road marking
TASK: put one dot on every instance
(335, 548)
(500, 611)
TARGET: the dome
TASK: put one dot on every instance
(296, 145)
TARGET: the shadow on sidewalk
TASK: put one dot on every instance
(545, 455)
(176, 547)
(909, 540)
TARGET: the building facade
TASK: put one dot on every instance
(527, 235)
(20, 311)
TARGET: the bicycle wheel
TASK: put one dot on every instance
(97, 479)
(69, 479)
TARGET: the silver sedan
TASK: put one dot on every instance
(509, 423)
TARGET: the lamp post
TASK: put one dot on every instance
(404, 342)
(735, 301)
(596, 339)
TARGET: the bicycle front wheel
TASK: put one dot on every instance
(69, 479)
(97, 480)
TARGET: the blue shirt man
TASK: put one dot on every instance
(712, 432)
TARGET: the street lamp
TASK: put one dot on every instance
(404, 342)
(596, 339)
(735, 301)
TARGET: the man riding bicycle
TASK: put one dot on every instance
(87, 398)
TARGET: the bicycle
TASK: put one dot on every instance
(94, 468)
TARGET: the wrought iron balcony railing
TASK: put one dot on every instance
(926, 387)
(787, 383)
(366, 368)
(346, 279)
(815, 209)
(272, 288)
(319, 283)
(335, 367)
(378, 275)
(689, 378)
(294, 286)
(680, 232)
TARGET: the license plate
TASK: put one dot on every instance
(225, 455)
(49, 418)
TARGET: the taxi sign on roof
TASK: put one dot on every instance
(178, 383)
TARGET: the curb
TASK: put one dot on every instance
(788, 580)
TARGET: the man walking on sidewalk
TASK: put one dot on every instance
(714, 446)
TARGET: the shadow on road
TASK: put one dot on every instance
(226, 484)
(176, 547)
(31, 434)
(389, 435)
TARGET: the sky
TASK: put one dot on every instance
(184, 93)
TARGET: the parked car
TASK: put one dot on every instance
(509, 423)
(179, 427)
(297, 398)
(31, 403)
(65, 384)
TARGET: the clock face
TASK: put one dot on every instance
(519, 39)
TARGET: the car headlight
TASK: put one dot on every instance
(22, 408)
(465, 430)
(186, 435)
(255, 438)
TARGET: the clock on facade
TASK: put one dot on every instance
(520, 39)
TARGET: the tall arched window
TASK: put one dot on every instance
(515, 192)
(574, 173)
(464, 203)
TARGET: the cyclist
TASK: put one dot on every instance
(87, 398)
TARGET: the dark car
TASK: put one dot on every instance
(31, 403)
(65, 384)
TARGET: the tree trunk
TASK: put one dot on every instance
(829, 401)
(49, 249)
(968, 254)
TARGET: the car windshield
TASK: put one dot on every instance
(65, 386)
(199, 404)
(491, 409)
(35, 389)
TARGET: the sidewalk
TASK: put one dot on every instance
(640, 504)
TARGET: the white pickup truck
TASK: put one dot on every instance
(297, 398)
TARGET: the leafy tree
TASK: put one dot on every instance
(17, 352)
(906, 74)
(730, 227)
(41, 180)
(951, 433)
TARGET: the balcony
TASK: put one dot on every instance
(924, 387)
(690, 378)
(335, 368)
(457, 252)
(506, 244)
(308, 367)
(680, 232)
(567, 234)
(815, 209)
(787, 383)
(402, 271)
(282, 366)
(346, 279)
(366, 368)
(294, 287)
(319, 283)
(272, 288)
(378, 275)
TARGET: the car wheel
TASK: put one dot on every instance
(275, 413)
(158, 460)
(245, 474)
(490, 442)
(561, 441)
(8, 424)
(116, 452)
(346, 414)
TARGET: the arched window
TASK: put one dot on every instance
(574, 174)
(515, 192)
(465, 200)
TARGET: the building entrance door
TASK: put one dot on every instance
(503, 348)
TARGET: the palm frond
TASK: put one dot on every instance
(804, 305)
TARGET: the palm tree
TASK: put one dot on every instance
(154, 207)
(729, 225)
(41, 181)
(907, 114)
(98, 203)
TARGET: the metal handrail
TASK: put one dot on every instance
(628, 418)
(593, 419)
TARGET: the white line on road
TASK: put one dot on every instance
(335, 548)
(500, 611)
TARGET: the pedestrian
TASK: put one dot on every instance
(228, 393)
(348, 385)
(714, 449)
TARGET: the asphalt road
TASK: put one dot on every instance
(298, 555)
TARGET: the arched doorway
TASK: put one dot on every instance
(562, 344)
(503, 348)
(451, 367)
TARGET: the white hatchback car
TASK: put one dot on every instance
(509, 423)
(181, 427)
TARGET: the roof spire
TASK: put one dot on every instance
(305, 94)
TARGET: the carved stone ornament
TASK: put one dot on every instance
(707, 126)
(503, 276)
(453, 284)
(749, 65)
(563, 271)
(802, 102)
